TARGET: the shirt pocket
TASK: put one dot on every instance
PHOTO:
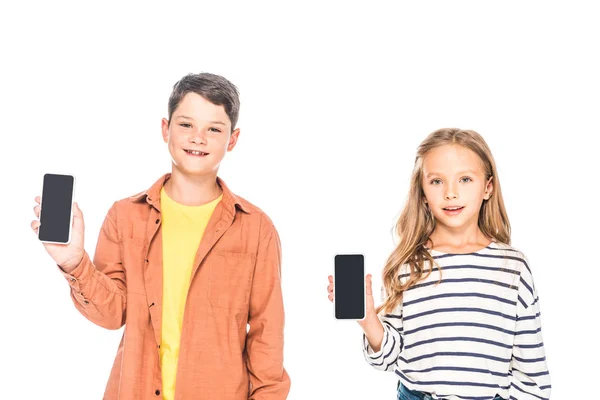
(229, 280)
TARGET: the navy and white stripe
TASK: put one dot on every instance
(475, 335)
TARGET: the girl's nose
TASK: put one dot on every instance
(450, 194)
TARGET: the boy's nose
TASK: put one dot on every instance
(198, 138)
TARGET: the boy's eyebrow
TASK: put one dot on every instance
(190, 118)
(460, 173)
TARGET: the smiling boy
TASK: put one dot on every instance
(187, 266)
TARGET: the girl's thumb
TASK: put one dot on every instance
(369, 285)
(76, 210)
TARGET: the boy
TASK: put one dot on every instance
(186, 244)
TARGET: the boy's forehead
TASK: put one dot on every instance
(195, 107)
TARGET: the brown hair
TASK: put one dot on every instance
(213, 88)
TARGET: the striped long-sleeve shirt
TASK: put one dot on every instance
(474, 335)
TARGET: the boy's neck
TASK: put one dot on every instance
(192, 190)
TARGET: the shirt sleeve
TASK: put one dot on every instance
(392, 344)
(530, 378)
(98, 285)
(264, 342)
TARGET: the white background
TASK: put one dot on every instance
(335, 99)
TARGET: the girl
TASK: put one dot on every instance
(461, 317)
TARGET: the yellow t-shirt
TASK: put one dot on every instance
(182, 230)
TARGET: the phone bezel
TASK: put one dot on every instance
(364, 286)
(72, 201)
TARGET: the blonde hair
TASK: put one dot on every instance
(416, 224)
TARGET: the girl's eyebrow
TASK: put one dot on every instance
(459, 173)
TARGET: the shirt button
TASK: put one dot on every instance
(157, 392)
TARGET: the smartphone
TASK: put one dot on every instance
(56, 204)
(349, 291)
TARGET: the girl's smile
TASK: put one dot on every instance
(453, 210)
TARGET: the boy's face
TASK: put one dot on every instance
(198, 135)
(453, 177)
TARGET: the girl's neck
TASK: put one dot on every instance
(457, 240)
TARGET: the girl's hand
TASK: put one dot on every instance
(371, 325)
(370, 304)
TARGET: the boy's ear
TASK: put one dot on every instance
(233, 138)
(165, 129)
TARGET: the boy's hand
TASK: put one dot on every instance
(67, 256)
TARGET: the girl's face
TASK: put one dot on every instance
(454, 185)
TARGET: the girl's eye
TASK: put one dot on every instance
(466, 179)
(436, 181)
(216, 130)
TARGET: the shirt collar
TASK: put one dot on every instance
(152, 195)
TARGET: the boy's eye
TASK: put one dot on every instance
(216, 130)
(185, 125)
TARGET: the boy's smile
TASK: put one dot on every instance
(196, 153)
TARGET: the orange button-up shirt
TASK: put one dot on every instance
(235, 282)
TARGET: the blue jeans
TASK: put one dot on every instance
(406, 394)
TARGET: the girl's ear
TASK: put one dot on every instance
(489, 188)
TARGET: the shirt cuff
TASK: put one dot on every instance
(368, 350)
(78, 277)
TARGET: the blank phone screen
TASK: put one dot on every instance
(349, 286)
(55, 215)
